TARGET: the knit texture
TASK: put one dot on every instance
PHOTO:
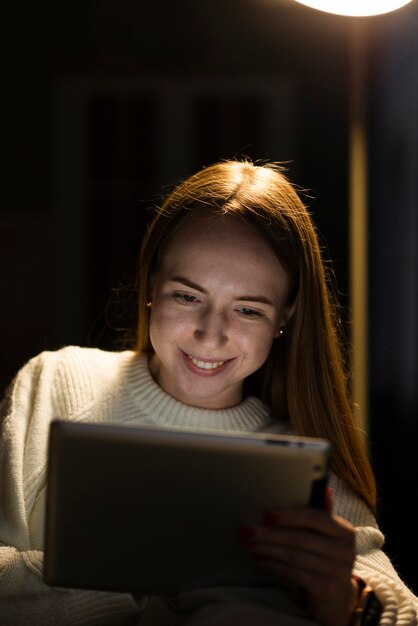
(91, 385)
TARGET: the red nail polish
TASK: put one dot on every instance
(329, 500)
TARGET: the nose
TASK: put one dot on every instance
(211, 329)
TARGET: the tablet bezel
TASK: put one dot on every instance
(197, 487)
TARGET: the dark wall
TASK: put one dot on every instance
(393, 337)
(107, 104)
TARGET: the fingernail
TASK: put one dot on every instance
(329, 500)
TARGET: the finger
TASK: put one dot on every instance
(316, 584)
(309, 518)
(277, 544)
(314, 561)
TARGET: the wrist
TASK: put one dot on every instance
(368, 608)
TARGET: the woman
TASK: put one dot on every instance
(236, 332)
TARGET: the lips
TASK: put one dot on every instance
(205, 365)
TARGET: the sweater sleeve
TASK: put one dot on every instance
(34, 398)
(400, 605)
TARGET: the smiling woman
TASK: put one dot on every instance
(237, 332)
(205, 336)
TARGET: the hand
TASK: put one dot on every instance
(313, 550)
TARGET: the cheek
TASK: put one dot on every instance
(258, 342)
(165, 325)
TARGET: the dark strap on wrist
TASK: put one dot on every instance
(368, 609)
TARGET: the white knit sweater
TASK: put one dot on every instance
(84, 384)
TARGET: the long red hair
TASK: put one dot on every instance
(304, 379)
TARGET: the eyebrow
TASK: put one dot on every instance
(193, 285)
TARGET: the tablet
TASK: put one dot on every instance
(159, 511)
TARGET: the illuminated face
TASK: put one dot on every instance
(218, 303)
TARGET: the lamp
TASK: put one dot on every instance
(354, 8)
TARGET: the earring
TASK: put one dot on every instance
(281, 332)
(149, 304)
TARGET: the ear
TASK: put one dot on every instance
(286, 316)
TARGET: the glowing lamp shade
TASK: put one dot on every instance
(360, 8)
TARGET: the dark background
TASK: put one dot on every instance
(106, 104)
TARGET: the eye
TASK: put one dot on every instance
(247, 312)
(185, 298)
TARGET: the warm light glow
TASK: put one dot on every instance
(360, 8)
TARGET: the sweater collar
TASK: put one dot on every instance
(251, 415)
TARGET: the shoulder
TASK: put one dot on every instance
(76, 357)
(71, 375)
(54, 383)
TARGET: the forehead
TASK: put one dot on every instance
(209, 231)
(226, 244)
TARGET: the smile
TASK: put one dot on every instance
(205, 365)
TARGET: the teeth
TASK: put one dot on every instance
(204, 365)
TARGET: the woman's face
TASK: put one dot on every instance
(218, 303)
